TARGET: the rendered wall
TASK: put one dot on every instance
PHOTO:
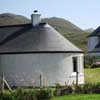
(92, 42)
(25, 69)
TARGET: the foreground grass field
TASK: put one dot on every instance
(92, 75)
(78, 97)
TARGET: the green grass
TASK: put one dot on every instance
(92, 75)
(78, 97)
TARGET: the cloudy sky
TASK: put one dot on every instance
(83, 13)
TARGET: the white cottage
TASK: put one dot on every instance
(94, 40)
(36, 54)
(94, 45)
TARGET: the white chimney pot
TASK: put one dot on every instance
(35, 18)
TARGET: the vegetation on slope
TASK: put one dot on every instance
(11, 19)
(62, 25)
(92, 75)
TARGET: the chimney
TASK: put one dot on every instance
(35, 18)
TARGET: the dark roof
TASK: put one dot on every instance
(95, 32)
(98, 45)
(26, 38)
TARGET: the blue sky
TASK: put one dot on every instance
(83, 13)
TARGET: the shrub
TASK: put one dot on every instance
(66, 90)
(57, 86)
(57, 92)
(77, 89)
(6, 96)
(63, 90)
(26, 94)
(88, 88)
(95, 65)
(87, 66)
(44, 94)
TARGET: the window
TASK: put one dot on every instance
(75, 64)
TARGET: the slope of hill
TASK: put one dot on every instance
(92, 75)
(62, 25)
(10, 19)
(66, 28)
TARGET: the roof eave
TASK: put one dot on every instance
(31, 52)
(93, 51)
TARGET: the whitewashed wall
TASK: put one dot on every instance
(92, 42)
(25, 69)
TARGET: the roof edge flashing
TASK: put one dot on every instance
(30, 52)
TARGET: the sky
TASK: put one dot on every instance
(83, 13)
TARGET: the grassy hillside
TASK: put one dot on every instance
(11, 19)
(76, 35)
(92, 75)
(62, 25)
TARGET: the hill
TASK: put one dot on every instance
(11, 19)
(66, 28)
(62, 25)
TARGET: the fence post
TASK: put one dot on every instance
(77, 78)
(40, 80)
(2, 83)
